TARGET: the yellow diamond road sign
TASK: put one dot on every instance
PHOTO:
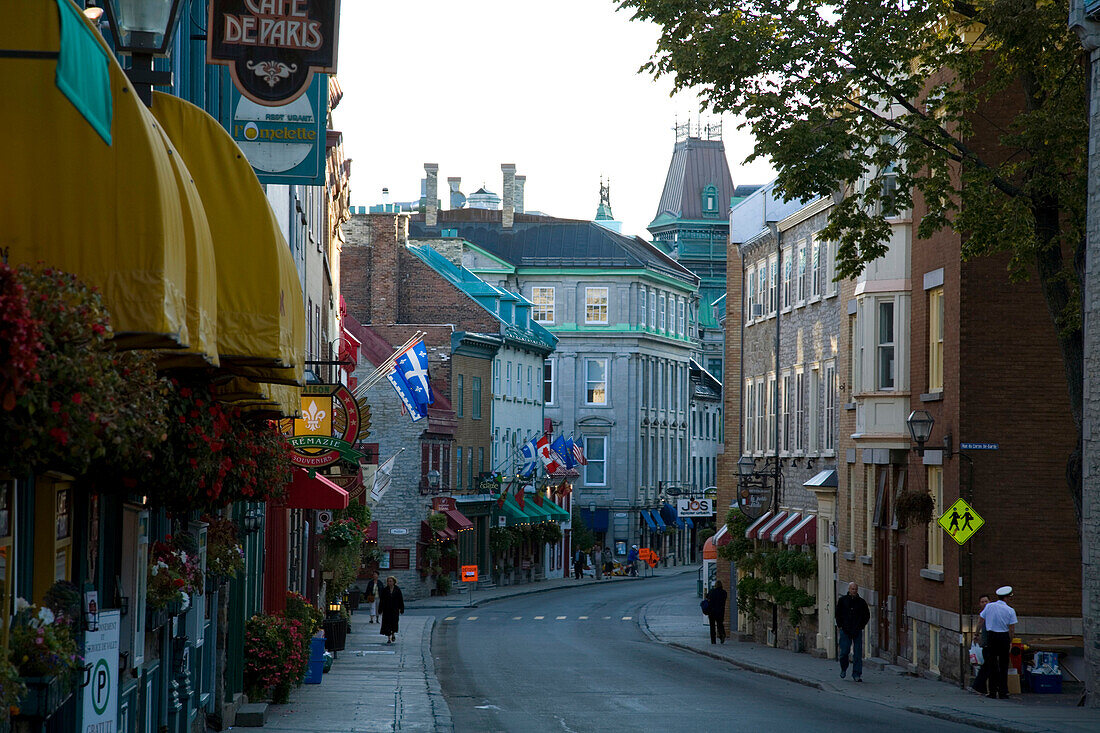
(961, 521)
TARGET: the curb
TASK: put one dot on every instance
(441, 711)
(978, 721)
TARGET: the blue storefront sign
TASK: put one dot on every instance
(284, 144)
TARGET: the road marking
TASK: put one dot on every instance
(450, 618)
(559, 618)
(606, 618)
(627, 618)
(539, 618)
(582, 618)
(517, 618)
(471, 618)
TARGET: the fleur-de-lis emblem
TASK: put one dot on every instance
(272, 71)
(313, 416)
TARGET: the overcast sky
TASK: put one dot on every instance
(550, 86)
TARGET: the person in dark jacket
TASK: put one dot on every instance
(852, 616)
(578, 564)
(980, 683)
(716, 612)
(391, 605)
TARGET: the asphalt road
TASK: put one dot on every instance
(573, 661)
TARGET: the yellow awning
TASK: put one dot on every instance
(110, 213)
(261, 313)
(250, 396)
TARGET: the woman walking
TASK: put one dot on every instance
(374, 585)
(390, 605)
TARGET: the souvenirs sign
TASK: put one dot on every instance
(273, 47)
(330, 426)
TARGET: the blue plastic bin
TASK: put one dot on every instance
(313, 672)
(1049, 684)
(316, 649)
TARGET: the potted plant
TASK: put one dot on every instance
(174, 574)
(45, 654)
(443, 584)
(224, 554)
(276, 656)
(914, 507)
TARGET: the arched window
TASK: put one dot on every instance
(710, 200)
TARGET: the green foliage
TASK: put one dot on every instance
(359, 512)
(276, 652)
(548, 533)
(703, 535)
(738, 546)
(300, 609)
(433, 553)
(500, 539)
(582, 537)
(437, 521)
(977, 108)
(42, 644)
(11, 688)
(443, 583)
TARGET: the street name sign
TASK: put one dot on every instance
(961, 521)
(979, 446)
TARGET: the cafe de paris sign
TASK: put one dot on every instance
(273, 47)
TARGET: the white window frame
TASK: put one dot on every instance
(681, 311)
(772, 410)
(496, 378)
(815, 268)
(542, 311)
(788, 278)
(589, 440)
(883, 347)
(830, 423)
(606, 381)
(813, 416)
(642, 307)
(508, 380)
(799, 410)
(773, 284)
(548, 363)
(801, 267)
(761, 415)
(831, 285)
(592, 300)
(653, 310)
(750, 415)
(750, 296)
(762, 287)
(662, 320)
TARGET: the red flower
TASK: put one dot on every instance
(78, 398)
(60, 435)
(55, 406)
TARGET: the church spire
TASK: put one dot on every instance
(603, 212)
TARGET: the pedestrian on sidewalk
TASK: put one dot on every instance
(716, 612)
(1000, 624)
(578, 564)
(852, 616)
(597, 562)
(980, 684)
(391, 605)
(608, 562)
(372, 593)
(632, 561)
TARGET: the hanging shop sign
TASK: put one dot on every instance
(273, 47)
(695, 507)
(287, 143)
(443, 503)
(101, 665)
(328, 429)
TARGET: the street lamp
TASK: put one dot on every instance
(920, 424)
(434, 477)
(143, 29)
(746, 465)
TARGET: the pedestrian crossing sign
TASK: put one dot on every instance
(961, 521)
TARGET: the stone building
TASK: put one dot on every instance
(618, 380)
(791, 322)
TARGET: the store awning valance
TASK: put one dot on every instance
(803, 533)
(597, 521)
(556, 512)
(657, 519)
(723, 536)
(537, 513)
(648, 519)
(766, 528)
(457, 521)
(510, 510)
(753, 528)
(710, 552)
(261, 314)
(775, 534)
(670, 515)
(87, 184)
(314, 492)
(687, 522)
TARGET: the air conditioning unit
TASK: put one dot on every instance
(756, 310)
(324, 519)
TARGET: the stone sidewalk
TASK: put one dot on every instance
(373, 686)
(678, 622)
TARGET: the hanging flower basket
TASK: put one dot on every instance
(914, 507)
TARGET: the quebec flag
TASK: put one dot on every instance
(412, 365)
(530, 459)
(416, 411)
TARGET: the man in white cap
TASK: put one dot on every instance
(1000, 623)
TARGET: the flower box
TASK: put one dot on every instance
(44, 696)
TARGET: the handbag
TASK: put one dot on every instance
(705, 605)
(370, 598)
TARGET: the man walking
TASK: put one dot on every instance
(852, 616)
(597, 562)
(716, 612)
(578, 564)
(1000, 625)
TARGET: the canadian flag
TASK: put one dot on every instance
(549, 459)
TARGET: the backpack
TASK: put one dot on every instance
(705, 605)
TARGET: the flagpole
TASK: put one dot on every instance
(383, 369)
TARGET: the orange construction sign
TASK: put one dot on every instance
(648, 556)
(469, 573)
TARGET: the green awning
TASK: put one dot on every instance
(511, 512)
(537, 513)
(556, 512)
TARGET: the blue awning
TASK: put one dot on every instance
(596, 521)
(648, 519)
(669, 514)
(688, 523)
(657, 518)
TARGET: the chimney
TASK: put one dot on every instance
(521, 181)
(509, 194)
(457, 199)
(431, 194)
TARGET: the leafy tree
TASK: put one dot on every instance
(582, 537)
(839, 92)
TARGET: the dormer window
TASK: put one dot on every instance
(710, 201)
